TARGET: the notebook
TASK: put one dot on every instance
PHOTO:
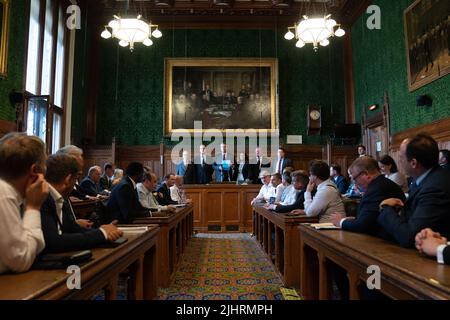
(133, 230)
(326, 225)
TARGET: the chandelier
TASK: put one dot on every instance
(315, 31)
(130, 31)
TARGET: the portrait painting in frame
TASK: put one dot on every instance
(427, 38)
(222, 93)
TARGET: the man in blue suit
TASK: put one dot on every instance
(338, 179)
(223, 165)
(429, 194)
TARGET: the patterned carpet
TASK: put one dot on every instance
(224, 267)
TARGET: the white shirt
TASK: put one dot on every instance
(289, 195)
(176, 194)
(59, 202)
(21, 239)
(147, 199)
(266, 192)
(440, 252)
(326, 202)
(279, 192)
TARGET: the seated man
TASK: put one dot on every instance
(299, 181)
(429, 195)
(22, 191)
(266, 190)
(338, 179)
(164, 198)
(146, 197)
(433, 244)
(123, 204)
(177, 192)
(61, 232)
(90, 184)
(327, 199)
(107, 177)
(376, 187)
(278, 187)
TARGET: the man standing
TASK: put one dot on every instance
(256, 164)
(361, 150)
(429, 194)
(282, 162)
(22, 191)
(203, 169)
(185, 168)
(223, 165)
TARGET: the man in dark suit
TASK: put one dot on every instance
(60, 229)
(366, 174)
(202, 167)
(123, 204)
(256, 164)
(185, 169)
(282, 161)
(300, 182)
(433, 244)
(106, 178)
(429, 194)
(163, 190)
(223, 165)
(338, 179)
(90, 184)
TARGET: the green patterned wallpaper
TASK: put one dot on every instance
(379, 61)
(16, 55)
(130, 93)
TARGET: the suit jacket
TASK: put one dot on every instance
(123, 204)
(90, 187)
(427, 207)
(378, 190)
(187, 172)
(341, 184)
(447, 255)
(105, 183)
(256, 169)
(203, 174)
(78, 192)
(221, 174)
(73, 236)
(285, 163)
(298, 204)
(246, 170)
(165, 199)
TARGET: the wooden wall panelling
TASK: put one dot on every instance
(6, 127)
(97, 156)
(302, 155)
(231, 201)
(148, 155)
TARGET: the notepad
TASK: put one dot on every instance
(326, 225)
(180, 205)
(134, 230)
(289, 294)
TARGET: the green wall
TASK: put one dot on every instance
(16, 56)
(131, 86)
(379, 65)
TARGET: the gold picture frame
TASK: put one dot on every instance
(427, 23)
(4, 34)
(222, 93)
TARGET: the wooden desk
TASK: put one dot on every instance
(176, 230)
(405, 274)
(84, 208)
(286, 255)
(222, 207)
(137, 255)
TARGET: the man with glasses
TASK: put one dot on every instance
(366, 175)
(428, 202)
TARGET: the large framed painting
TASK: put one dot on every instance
(220, 93)
(427, 32)
(4, 32)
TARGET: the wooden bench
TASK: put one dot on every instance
(84, 208)
(176, 229)
(286, 255)
(137, 256)
(405, 273)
